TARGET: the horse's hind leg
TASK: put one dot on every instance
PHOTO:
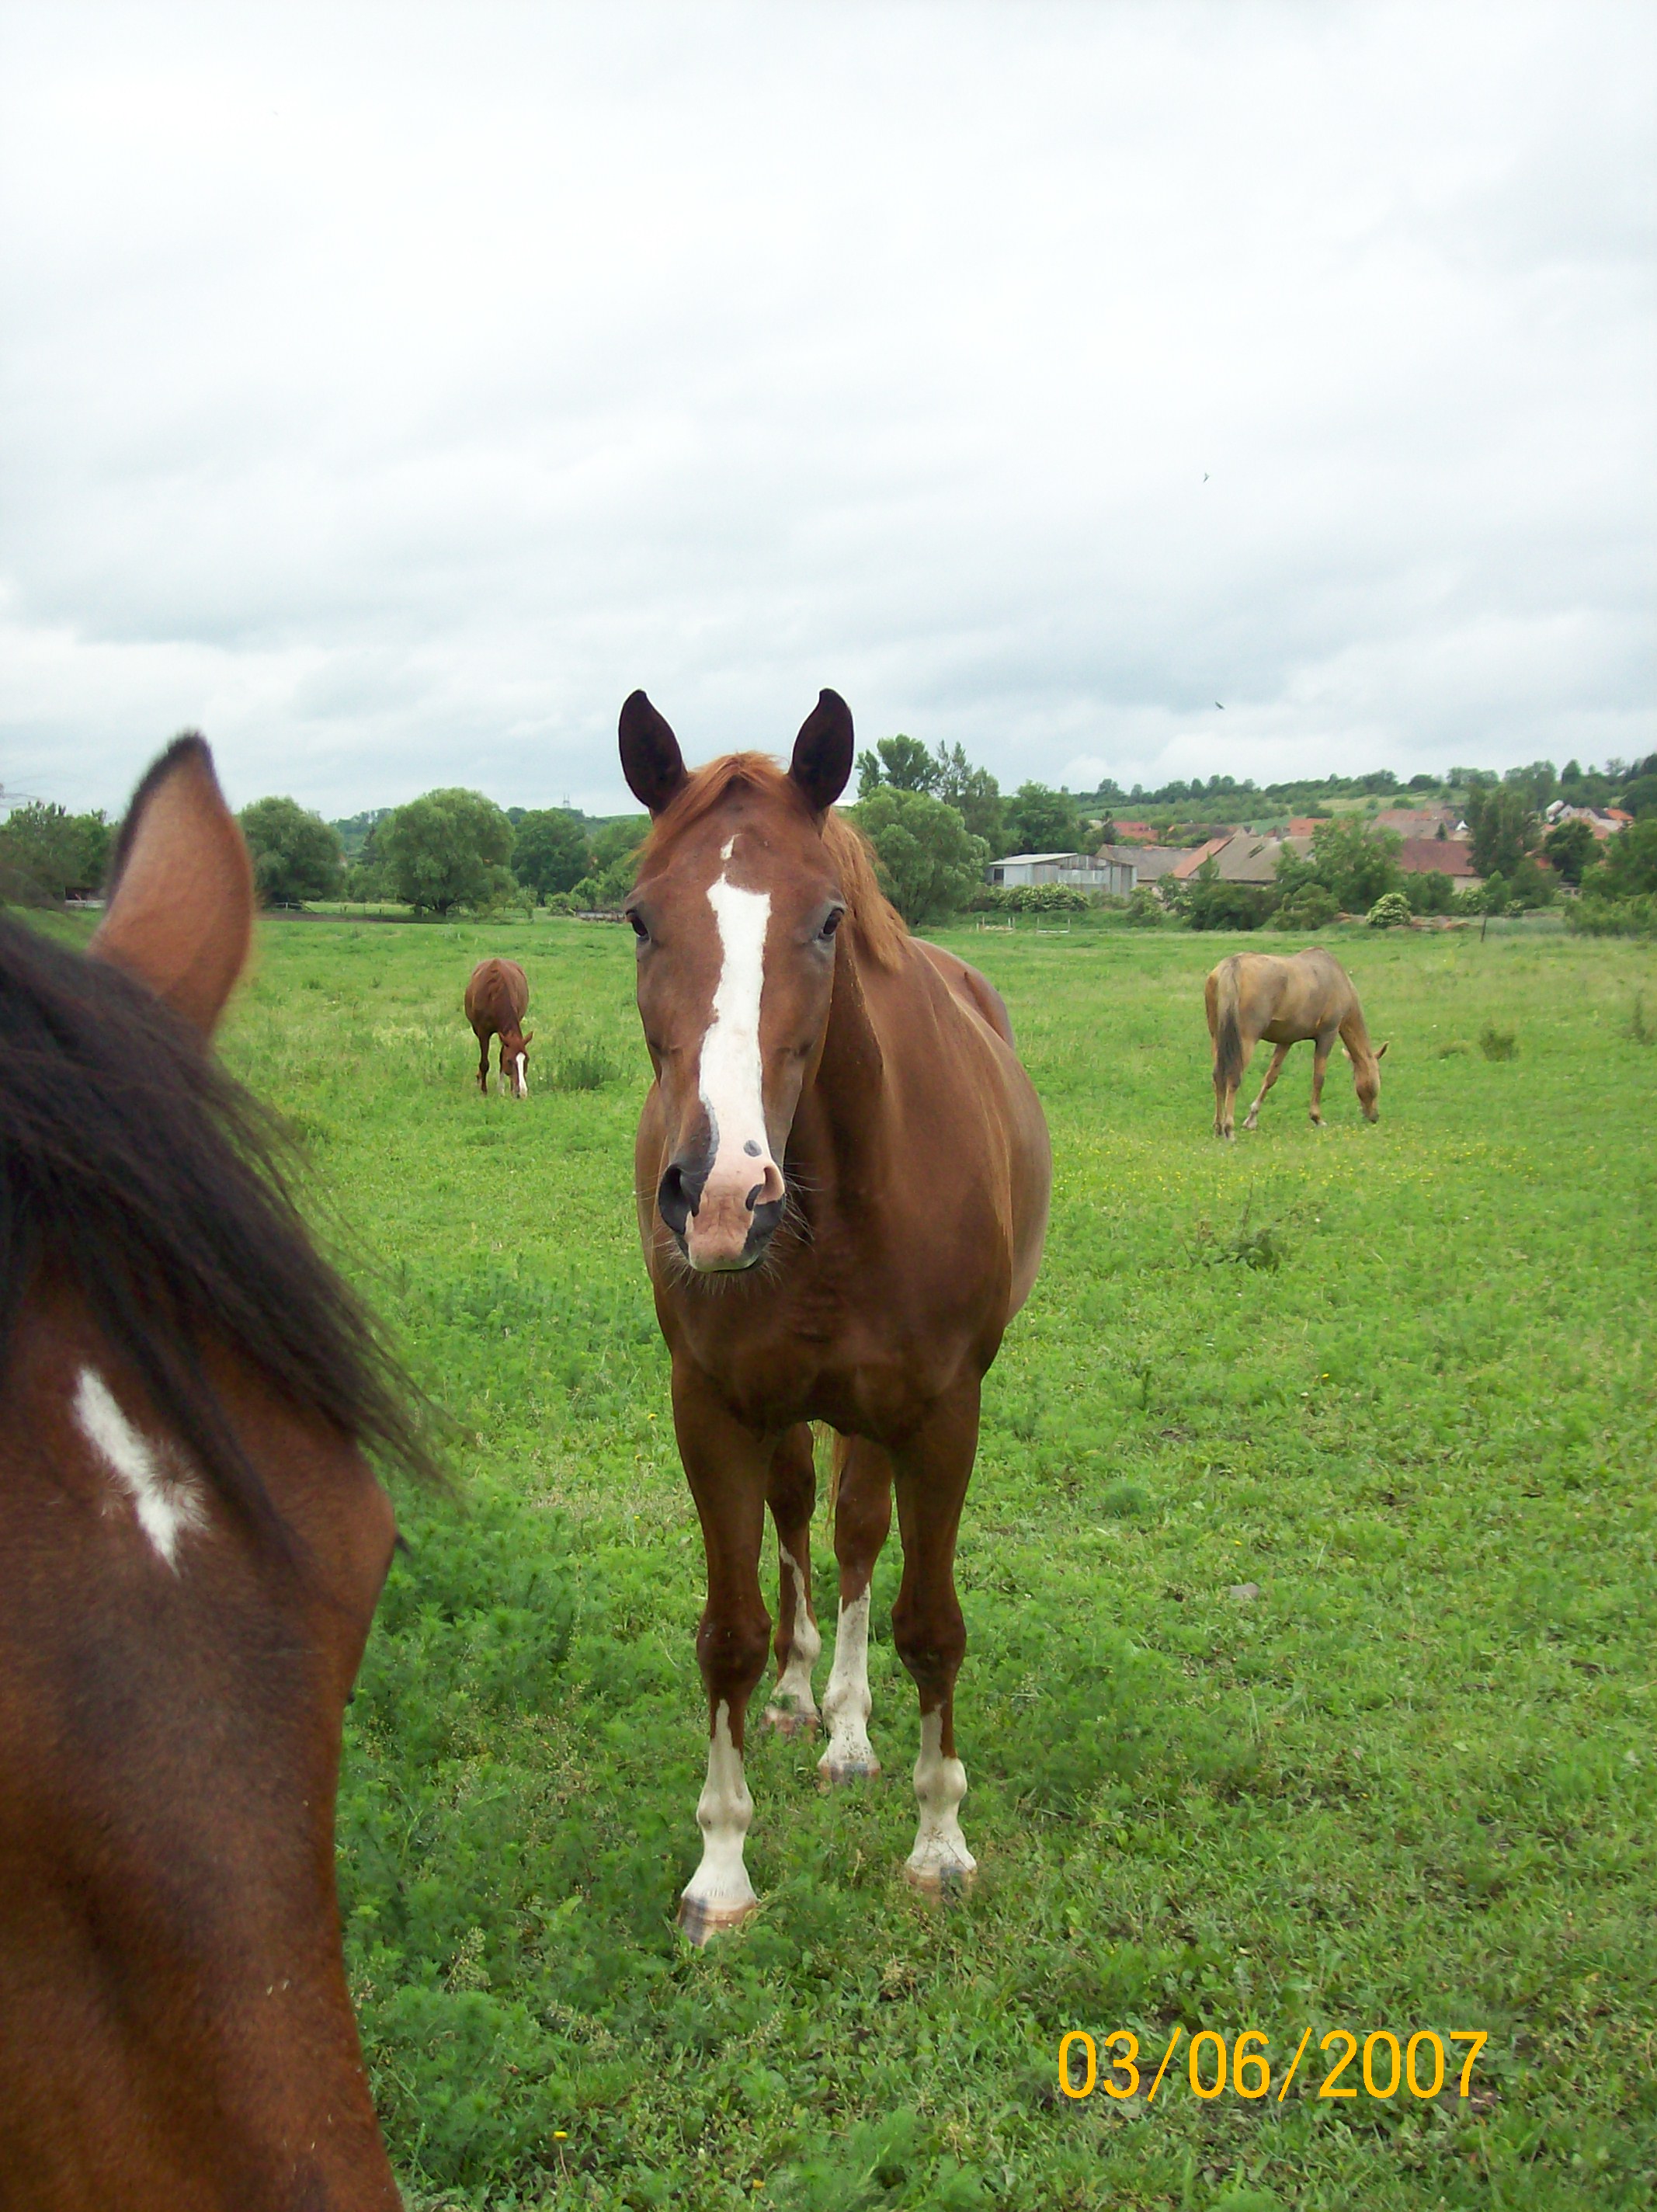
(1271, 1075)
(726, 1466)
(863, 1515)
(791, 1493)
(932, 1473)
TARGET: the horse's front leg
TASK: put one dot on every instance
(726, 1465)
(1321, 1049)
(933, 1472)
(863, 1519)
(483, 1062)
(1271, 1075)
(791, 1493)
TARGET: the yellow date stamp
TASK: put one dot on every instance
(1388, 2065)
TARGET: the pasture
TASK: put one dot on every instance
(1390, 1385)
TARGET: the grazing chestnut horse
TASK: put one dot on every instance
(842, 1175)
(1310, 997)
(192, 1545)
(496, 998)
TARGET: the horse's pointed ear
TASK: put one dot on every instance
(822, 752)
(651, 759)
(1382, 1054)
(179, 915)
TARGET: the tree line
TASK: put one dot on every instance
(935, 820)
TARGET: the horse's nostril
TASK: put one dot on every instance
(679, 1193)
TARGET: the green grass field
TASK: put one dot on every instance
(1396, 1378)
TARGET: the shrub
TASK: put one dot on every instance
(1210, 902)
(1591, 917)
(1311, 908)
(1390, 911)
(1430, 893)
(1146, 909)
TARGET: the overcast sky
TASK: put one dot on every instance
(388, 392)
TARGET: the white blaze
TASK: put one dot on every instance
(523, 1080)
(846, 1703)
(940, 1854)
(731, 1076)
(168, 1503)
(720, 1883)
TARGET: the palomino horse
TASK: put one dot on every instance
(1255, 994)
(842, 1175)
(496, 999)
(192, 1545)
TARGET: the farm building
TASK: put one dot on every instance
(1079, 870)
(1247, 858)
(1147, 862)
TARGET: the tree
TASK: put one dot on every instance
(903, 762)
(1429, 892)
(929, 861)
(975, 796)
(616, 858)
(1571, 846)
(1502, 821)
(1629, 868)
(549, 850)
(1210, 902)
(1041, 820)
(445, 849)
(296, 854)
(1355, 864)
(47, 853)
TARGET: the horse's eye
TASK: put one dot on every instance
(639, 929)
(833, 922)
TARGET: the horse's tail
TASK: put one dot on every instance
(1228, 1031)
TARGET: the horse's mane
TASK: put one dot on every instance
(880, 930)
(133, 1168)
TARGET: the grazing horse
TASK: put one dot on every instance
(496, 998)
(1255, 994)
(192, 1545)
(842, 1175)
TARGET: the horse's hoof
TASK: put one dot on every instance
(935, 1883)
(838, 1772)
(786, 1721)
(700, 1923)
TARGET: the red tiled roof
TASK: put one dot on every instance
(1183, 870)
(1436, 856)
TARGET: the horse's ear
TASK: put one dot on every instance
(1382, 1054)
(822, 752)
(179, 915)
(529, 1036)
(651, 759)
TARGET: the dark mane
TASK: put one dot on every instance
(880, 929)
(135, 1170)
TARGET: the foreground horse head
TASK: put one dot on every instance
(736, 909)
(192, 1545)
(1308, 999)
(798, 1031)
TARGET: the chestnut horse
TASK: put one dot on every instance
(1310, 997)
(496, 999)
(192, 1545)
(842, 1175)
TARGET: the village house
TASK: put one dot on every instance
(1604, 821)
(1439, 856)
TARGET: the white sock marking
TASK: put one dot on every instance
(720, 1883)
(846, 1703)
(168, 1502)
(940, 1851)
(793, 1690)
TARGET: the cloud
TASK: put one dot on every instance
(394, 391)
